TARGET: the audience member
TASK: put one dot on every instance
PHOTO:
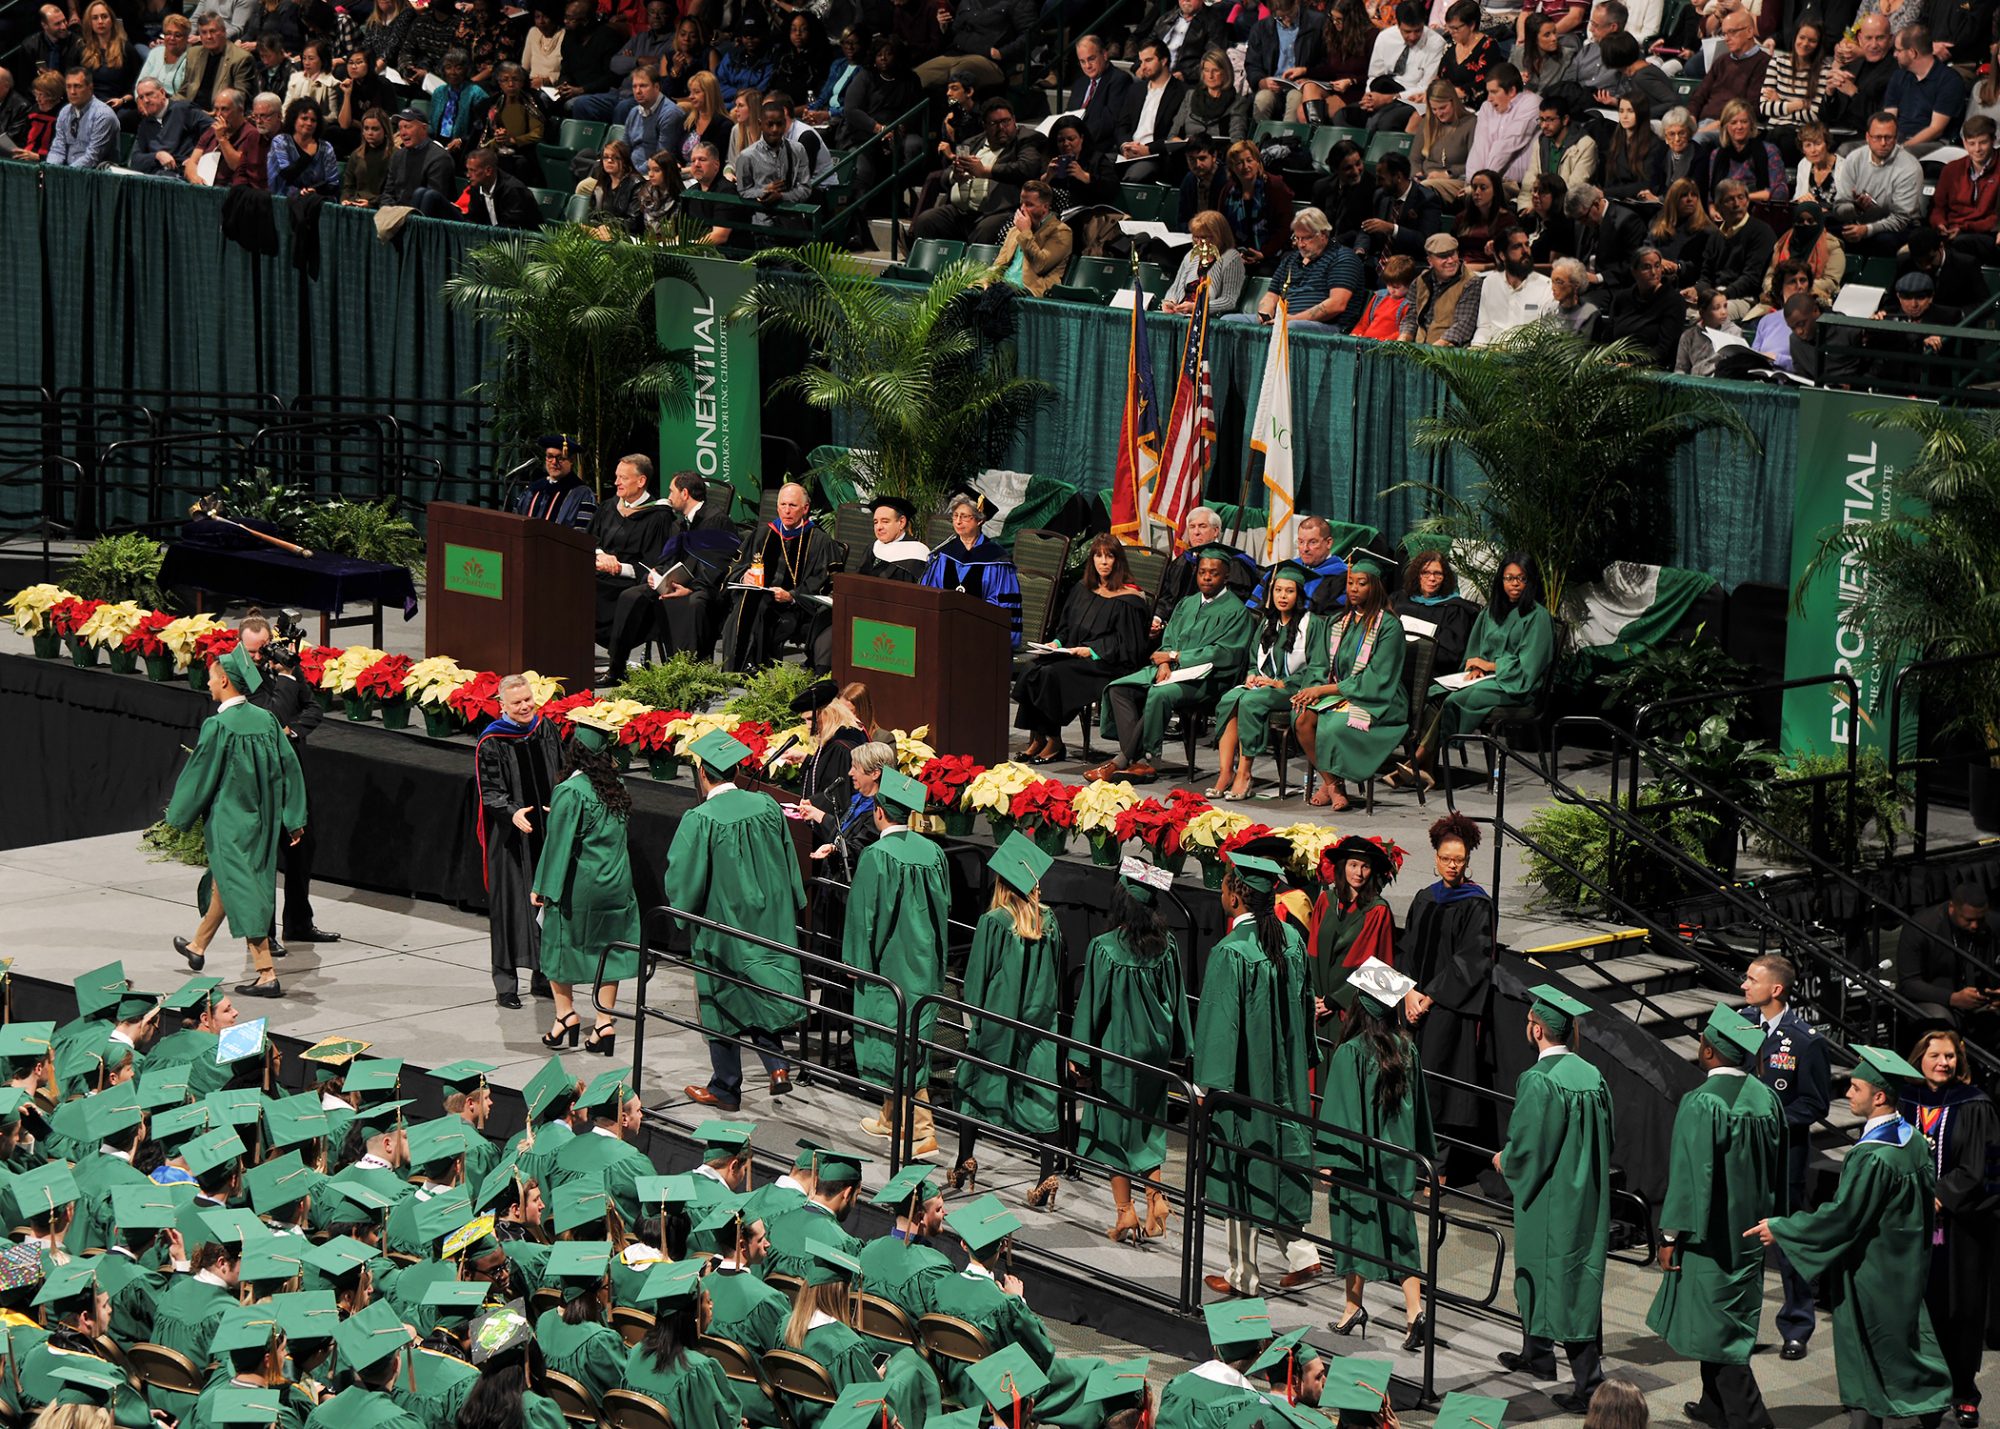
(710, 217)
(983, 36)
(1513, 294)
(1609, 237)
(652, 121)
(214, 65)
(1741, 153)
(1401, 67)
(1862, 69)
(108, 55)
(237, 144)
(588, 45)
(53, 46)
(1631, 151)
(368, 166)
(987, 173)
(1484, 220)
(1699, 344)
(1647, 312)
(495, 199)
(1960, 284)
(420, 171)
(1333, 84)
(1321, 282)
(1406, 213)
(1034, 253)
(1205, 187)
(1191, 30)
(612, 188)
(514, 125)
(1562, 147)
(1281, 47)
(167, 131)
(86, 131)
(1151, 107)
(315, 79)
(542, 47)
(645, 49)
(1809, 242)
(1437, 313)
(1506, 128)
(1213, 257)
(1258, 205)
(1737, 73)
(1100, 93)
(1925, 94)
(1965, 206)
(1795, 85)
(775, 170)
(1569, 285)
(1443, 140)
(1541, 57)
(1738, 260)
(1346, 193)
(1556, 234)
(457, 104)
(300, 161)
(1632, 75)
(361, 90)
(1878, 190)
(39, 132)
(166, 61)
(1471, 55)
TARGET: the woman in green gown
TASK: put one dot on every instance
(1350, 924)
(666, 1366)
(576, 1341)
(1355, 720)
(584, 882)
(504, 1351)
(1290, 654)
(1375, 1088)
(1132, 1000)
(821, 1327)
(1507, 660)
(1014, 970)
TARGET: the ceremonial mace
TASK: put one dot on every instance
(205, 508)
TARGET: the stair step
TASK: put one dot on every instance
(1688, 1007)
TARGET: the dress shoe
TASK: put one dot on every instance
(509, 1000)
(1967, 1415)
(277, 948)
(186, 950)
(1142, 773)
(1102, 772)
(1053, 754)
(1292, 1279)
(260, 989)
(538, 986)
(781, 1082)
(1698, 1413)
(1572, 1401)
(1218, 1285)
(1793, 1350)
(1517, 1364)
(310, 934)
(702, 1096)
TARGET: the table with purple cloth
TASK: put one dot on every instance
(217, 559)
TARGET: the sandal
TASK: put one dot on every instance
(1321, 796)
(569, 1026)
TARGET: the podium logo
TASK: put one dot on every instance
(472, 570)
(879, 645)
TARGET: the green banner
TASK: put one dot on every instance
(878, 645)
(720, 434)
(472, 570)
(1846, 473)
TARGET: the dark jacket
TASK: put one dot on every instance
(290, 702)
(874, 98)
(513, 205)
(1261, 61)
(175, 131)
(1206, 31)
(1610, 248)
(1023, 159)
(14, 116)
(1738, 262)
(35, 54)
(1934, 958)
(1163, 120)
(586, 58)
(427, 166)
(1417, 215)
(1106, 108)
(1654, 322)
(978, 26)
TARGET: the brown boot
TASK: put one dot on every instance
(1127, 1227)
(923, 1134)
(883, 1123)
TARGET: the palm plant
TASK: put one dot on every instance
(576, 319)
(1933, 571)
(1574, 443)
(930, 401)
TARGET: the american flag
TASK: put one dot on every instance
(1190, 428)
(1138, 433)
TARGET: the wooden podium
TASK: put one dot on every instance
(928, 657)
(510, 593)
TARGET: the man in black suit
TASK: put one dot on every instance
(1099, 95)
(1944, 963)
(1003, 154)
(1406, 212)
(1190, 29)
(495, 199)
(53, 46)
(1647, 311)
(1609, 236)
(682, 613)
(1282, 47)
(1150, 108)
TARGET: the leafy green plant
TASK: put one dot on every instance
(768, 694)
(1878, 806)
(1696, 666)
(680, 682)
(366, 530)
(1740, 770)
(1572, 440)
(1933, 569)
(932, 401)
(1579, 837)
(172, 845)
(576, 322)
(123, 567)
(261, 497)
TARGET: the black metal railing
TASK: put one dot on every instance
(1920, 771)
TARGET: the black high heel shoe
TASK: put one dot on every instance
(1413, 1338)
(1357, 1322)
(569, 1026)
(600, 1041)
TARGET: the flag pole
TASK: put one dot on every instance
(1243, 484)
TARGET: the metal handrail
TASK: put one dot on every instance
(1920, 821)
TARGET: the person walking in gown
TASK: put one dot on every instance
(1289, 654)
(1355, 720)
(1131, 999)
(514, 776)
(583, 882)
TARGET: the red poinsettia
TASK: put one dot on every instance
(213, 644)
(1152, 824)
(647, 732)
(145, 637)
(1242, 837)
(386, 679)
(559, 709)
(755, 734)
(945, 776)
(67, 616)
(1046, 803)
(313, 660)
(478, 699)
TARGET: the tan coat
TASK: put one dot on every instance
(1046, 255)
(238, 73)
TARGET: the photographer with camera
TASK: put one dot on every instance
(290, 701)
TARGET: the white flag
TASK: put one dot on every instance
(1271, 444)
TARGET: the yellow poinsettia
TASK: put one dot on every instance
(611, 713)
(179, 636)
(1099, 805)
(111, 622)
(993, 791)
(345, 669)
(29, 608)
(1308, 842)
(912, 752)
(546, 687)
(431, 682)
(683, 732)
(1211, 828)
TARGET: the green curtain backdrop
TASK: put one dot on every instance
(1354, 409)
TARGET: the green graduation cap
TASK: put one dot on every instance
(133, 1005)
(1355, 1385)
(1019, 863)
(462, 1076)
(160, 1087)
(177, 1123)
(912, 1180)
(608, 1092)
(20, 1041)
(98, 991)
(718, 1213)
(724, 1140)
(1007, 1377)
(1470, 1411)
(1879, 1067)
(827, 1263)
(1369, 562)
(720, 750)
(212, 1149)
(1256, 873)
(228, 1225)
(85, 1055)
(1110, 1383)
(236, 1106)
(441, 1216)
(809, 1153)
(983, 1223)
(12, 1099)
(241, 670)
(332, 1056)
(381, 1116)
(1731, 1034)
(546, 1087)
(373, 1191)
(246, 1405)
(1292, 571)
(67, 1282)
(293, 1121)
(976, 1417)
(1288, 1346)
(86, 1380)
(1294, 1416)
(341, 1256)
(1213, 551)
(377, 1074)
(272, 1260)
(840, 1168)
(277, 1182)
(370, 1336)
(456, 1299)
(671, 1283)
(590, 731)
(149, 1206)
(506, 1173)
(113, 1111)
(666, 1190)
(306, 1314)
(1556, 1008)
(246, 1327)
(900, 794)
(578, 1203)
(578, 1264)
(191, 994)
(434, 1142)
(46, 1188)
(862, 1405)
(1237, 1325)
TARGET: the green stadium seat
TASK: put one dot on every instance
(554, 159)
(578, 208)
(582, 134)
(982, 252)
(553, 203)
(1149, 203)
(928, 257)
(1389, 142)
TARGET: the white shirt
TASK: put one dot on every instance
(704, 1169)
(1550, 1052)
(892, 829)
(1216, 1372)
(232, 701)
(1504, 307)
(1149, 112)
(1875, 1121)
(724, 787)
(788, 1180)
(1421, 68)
(1727, 1072)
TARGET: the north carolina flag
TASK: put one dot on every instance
(1271, 444)
(1190, 429)
(1138, 433)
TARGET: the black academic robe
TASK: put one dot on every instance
(758, 627)
(569, 502)
(897, 561)
(1447, 944)
(633, 540)
(514, 769)
(1053, 690)
(1453, 617)
(985, 571)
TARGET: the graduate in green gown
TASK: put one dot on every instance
(605, 1159)
(732, 861)
(821, 1327)
(665, 1365)
(82, 1378)
(1557, 1164)
(116, 1123)
(896, 928)
(1511, 654)
(1725, 1173)
(1210, 628)
(204, 1011)
(140, 1217)
(1210, 1394)
(741, 1307)
(501, 1344)
(989, 1297)
(1252, 1038)
(820, 1219)
(1132, 1001)
(903, 1267)
(576, 1341)
(1350, 924)
(1375, 1088)
(1289, 653)
(1354, 721)
(371, 1344)
(242, 784)
(76, 1309)
(584, 882)
(467, 1097)
(1870, 1247)
(1014, 970)
(250, 1351)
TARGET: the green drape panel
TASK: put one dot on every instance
(1732, 505)
(20, 321)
